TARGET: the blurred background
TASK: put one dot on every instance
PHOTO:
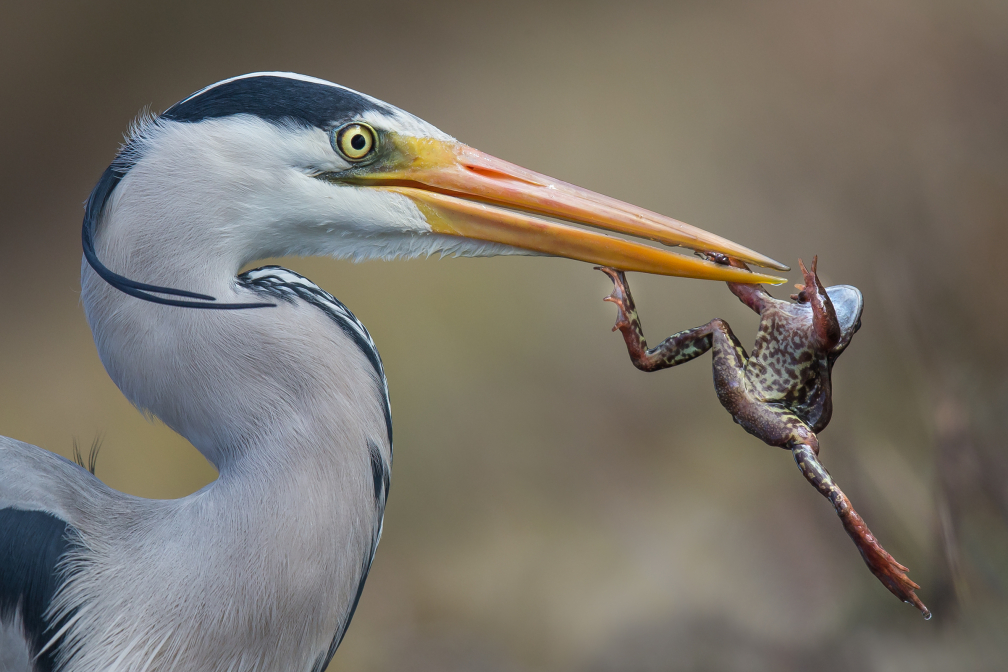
(552, 508)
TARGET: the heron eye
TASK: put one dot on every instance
(355, 141)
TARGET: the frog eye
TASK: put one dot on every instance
(355, 141)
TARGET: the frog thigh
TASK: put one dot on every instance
(775, 425)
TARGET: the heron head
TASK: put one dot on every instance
(276, 164)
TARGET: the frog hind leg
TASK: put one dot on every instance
(674, 350)
(825, 325)
(729, 364)
(778, 426)
(885, 568)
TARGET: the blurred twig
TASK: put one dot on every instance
(957, 399)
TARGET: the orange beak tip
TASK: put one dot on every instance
(776, 281)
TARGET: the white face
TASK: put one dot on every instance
(264, 187)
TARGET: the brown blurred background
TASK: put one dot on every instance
(553, 508)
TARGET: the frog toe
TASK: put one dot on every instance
(620, 297)
(884, 566)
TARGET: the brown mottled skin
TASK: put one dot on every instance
(780, 394)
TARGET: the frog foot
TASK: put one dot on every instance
(811, 282)
(626, 310)
(885, 568)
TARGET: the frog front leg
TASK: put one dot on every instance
(754, 296)
(674, 350)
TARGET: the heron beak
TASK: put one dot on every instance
(464, 192)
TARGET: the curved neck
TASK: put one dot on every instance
(283, 401)
(253, 390)
(266, 384)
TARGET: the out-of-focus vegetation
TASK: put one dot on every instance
(553, 508)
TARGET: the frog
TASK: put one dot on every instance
(781, 393)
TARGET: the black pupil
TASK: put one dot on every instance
(358, 141)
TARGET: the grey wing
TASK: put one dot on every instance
(35, 534)
(848, 304)
(32, 543)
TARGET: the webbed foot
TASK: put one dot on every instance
(885, 568)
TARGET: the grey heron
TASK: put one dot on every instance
(265, 373)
